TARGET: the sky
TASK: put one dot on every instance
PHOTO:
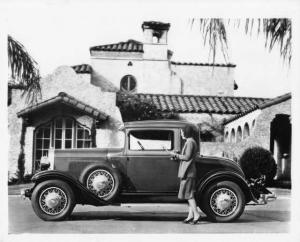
(61, 34)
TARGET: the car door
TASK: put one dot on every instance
(149, 167)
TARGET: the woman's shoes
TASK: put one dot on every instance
(187, 220)
(196, 221)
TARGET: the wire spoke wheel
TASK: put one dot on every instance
(53, 201)
(101, 182)
(223, 202)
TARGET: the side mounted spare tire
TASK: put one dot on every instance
(223, 201)
(103, 181)
(53, 200)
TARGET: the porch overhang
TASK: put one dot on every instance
(63, 99)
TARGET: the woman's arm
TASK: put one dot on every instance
(188, 154)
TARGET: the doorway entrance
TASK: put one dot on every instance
(281, 134)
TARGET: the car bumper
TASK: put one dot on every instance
(265, 198)
(26, 193)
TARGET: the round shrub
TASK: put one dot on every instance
(257, 161)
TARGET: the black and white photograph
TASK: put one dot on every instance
(144, 118)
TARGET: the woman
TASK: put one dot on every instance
(187, 174)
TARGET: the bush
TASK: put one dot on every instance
(257, 161)
(133, 108)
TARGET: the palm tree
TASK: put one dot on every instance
(24, 73)
(276, 32)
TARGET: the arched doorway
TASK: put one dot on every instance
(281, 133)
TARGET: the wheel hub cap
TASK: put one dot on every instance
(223, 202)
(53, 200)
(101, 182)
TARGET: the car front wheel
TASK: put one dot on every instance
(53, 200)
(223, 201)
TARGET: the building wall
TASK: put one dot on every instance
(200, 118)
(260, 133)
(155, 74)
(208, 123)
(250, 119)
(206, 80)
(152, 76)
(158, 76)
(63, 79)
(155, 51)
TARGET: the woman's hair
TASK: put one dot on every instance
(188, 131)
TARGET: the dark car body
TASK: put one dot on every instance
(140, 174)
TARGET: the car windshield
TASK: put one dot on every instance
(151, 140)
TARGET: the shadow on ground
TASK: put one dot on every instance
(247, 217)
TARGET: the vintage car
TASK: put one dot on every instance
(142, 171)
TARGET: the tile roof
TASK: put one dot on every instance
(276, 100)
(12, 85)
(82, 69)
(268, 103)
(155, 25)
(127, 46)
(201, 64)
(202, 104)
(68, 100)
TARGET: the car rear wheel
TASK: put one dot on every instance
(53, 200)
(103, 181)
(223, 201)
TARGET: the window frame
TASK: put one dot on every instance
(128, 83)
(52, 139)
(173, 141)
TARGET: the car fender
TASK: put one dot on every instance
(215, 176)
(83, 195)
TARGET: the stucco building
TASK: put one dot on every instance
(77, 108)
(268, 125)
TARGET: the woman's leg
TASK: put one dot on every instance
(191, 214)
(193, 207)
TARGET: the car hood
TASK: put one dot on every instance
(220, 163)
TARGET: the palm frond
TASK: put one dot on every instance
(214, 31)
(23, 69)
(276, 32)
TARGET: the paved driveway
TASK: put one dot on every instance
(144, 218)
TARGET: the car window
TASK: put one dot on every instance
(151, 140)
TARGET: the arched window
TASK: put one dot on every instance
(239, 134)
(253, 123)
(226, 136)
(60, 133)
(232, 136)
(128, 83)
(246, 132)
(155, 40)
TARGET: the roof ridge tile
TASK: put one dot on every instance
(202, 103)
(130, 45)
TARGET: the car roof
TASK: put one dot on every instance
(158, 123)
